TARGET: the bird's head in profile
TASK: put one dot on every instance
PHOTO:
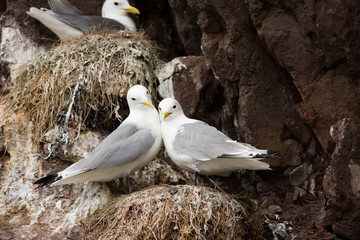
(138, 97)
(117, 7)
(169, 109)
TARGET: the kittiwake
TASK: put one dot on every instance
(197, 147)
(68, 22)
(130, 147)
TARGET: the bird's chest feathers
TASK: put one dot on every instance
(182, 160)
(170, 137)
(149, 121)
(169, 133)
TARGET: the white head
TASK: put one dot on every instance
(117, 10)
(138, 98)
(169, 109)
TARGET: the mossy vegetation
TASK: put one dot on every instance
(84, 81)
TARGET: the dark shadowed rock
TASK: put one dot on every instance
(276, 74)
(315, 42)
(342, 181)
(187, 30)
(158, 22)
(191, 81)
(198, 91)
(298, 175)
(259, 96)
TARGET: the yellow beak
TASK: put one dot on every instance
(147, 103)
(132, 9)
(166, 114)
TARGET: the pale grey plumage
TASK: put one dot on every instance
(203, 142)
(126, 144)
(68, 22)
(195, 146)
(88, 24)
(64, 7)
(130, 147)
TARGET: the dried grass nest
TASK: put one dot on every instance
(174, 212)
(84, 80)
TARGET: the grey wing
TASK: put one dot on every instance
(88, 24)
(125, 144)
(203, 142)
(64, 7)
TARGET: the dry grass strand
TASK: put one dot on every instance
(85, 77)
(174, 212)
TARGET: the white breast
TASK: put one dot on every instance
(169, 129)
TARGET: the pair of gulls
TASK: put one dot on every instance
(191, 144)
(68, 22)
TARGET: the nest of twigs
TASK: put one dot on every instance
(84, 80)
(174, 212)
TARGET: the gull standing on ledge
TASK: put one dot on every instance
(195, 146)
(130, 147)
(68, 22)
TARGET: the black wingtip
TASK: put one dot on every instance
(273, 152)
(269, 154)
(48, 179)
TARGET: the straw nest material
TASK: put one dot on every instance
(84, 80)
(174, 212)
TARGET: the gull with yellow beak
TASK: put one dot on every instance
(195, 146)
(68, 22)
(130, 147)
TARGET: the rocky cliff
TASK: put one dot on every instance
(277, 74)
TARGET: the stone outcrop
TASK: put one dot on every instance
(17, 49)
(49, 212)
(254, 93)
(25, 209)
(342, 181)
(276, 74)
(316, 42)
(191, 81)
(287, 72)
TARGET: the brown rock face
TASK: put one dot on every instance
(276, 74)
(342, 181)
(156, 18)
(256, 95)
(198, 91)
(288, 70)
(187, 30)
(315, 41)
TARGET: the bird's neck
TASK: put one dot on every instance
(182, 119)
(171, 127)
(148, 118)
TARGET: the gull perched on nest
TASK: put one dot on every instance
(68, 22)
(130, 147)
(195, 146)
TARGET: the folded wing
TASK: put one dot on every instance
(126, 144)
(88, 24)
(203, 142)
(64, 7)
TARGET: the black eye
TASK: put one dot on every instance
(133, 99)
(174, 106)
(147, 92)
(116, 3)
(159, 108)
